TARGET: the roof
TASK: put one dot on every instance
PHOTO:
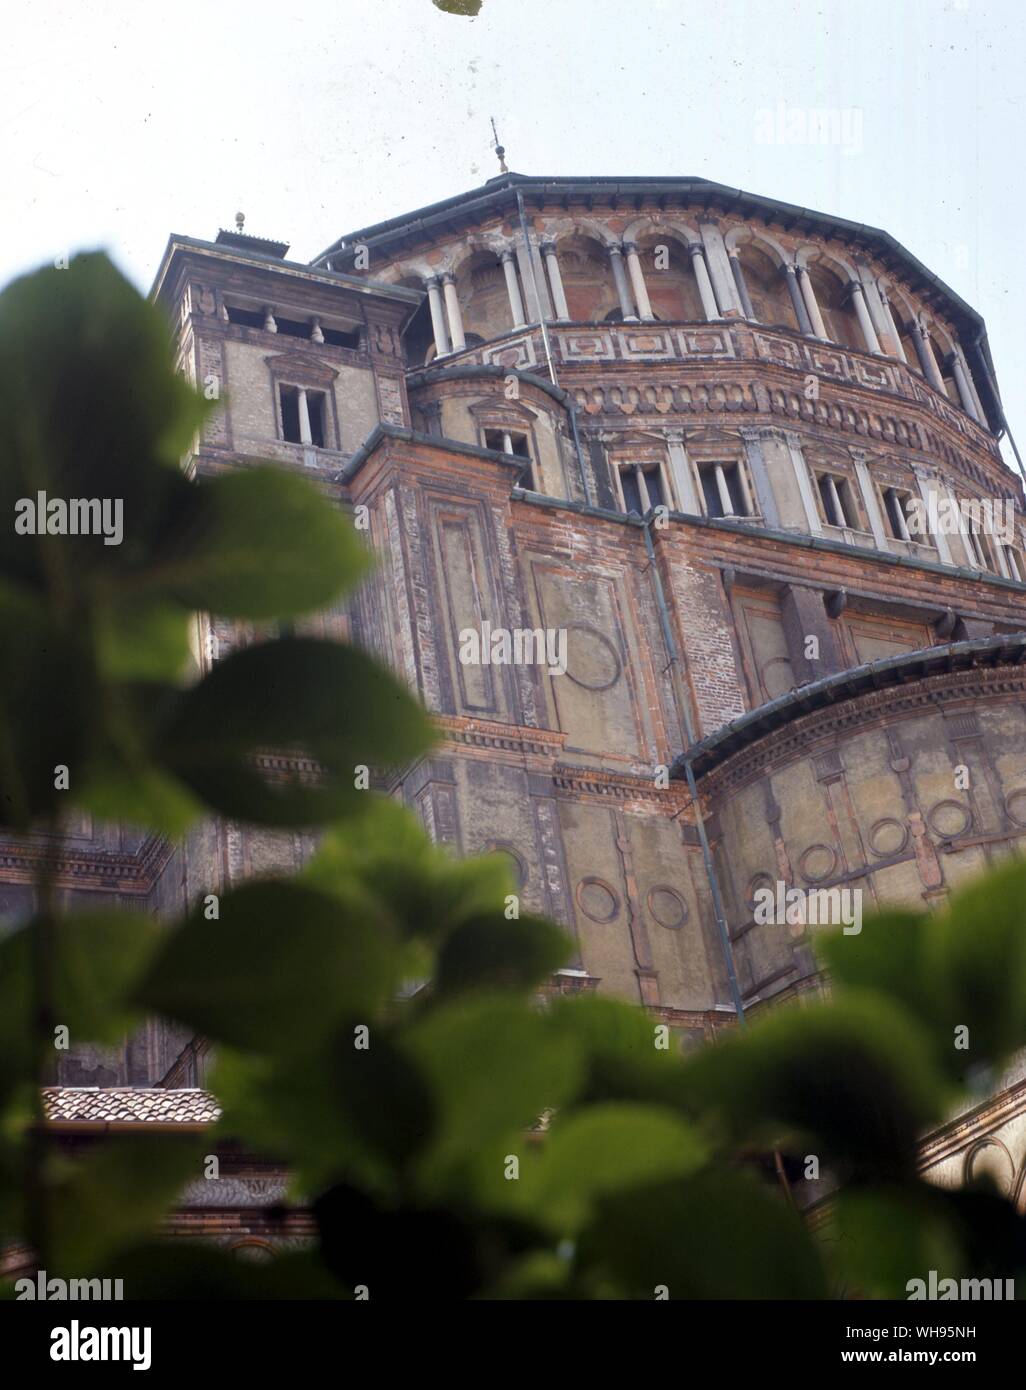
(128, 1106)
(252, 243)
(450, 214)
(1007, 650)
(245, 255)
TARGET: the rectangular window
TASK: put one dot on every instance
(507, 442)
(303, 416)
(898, 510)
(724, 490)
(642, 487)
(838, 503)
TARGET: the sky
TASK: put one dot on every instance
(122, 121)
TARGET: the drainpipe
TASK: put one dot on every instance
(689, 733)
(571, 408)
(982, 360)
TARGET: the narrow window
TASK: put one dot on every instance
(299, 425)
(898, 508)
(838, 503)
(642, 487)
(724, 490)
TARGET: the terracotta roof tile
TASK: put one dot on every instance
(122, 1104)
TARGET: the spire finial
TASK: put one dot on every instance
(240, 221)
(500, 152)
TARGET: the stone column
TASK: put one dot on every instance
(680, 470)
(705, 288)
(316, 331)
(719, 270)
(760, 477)
(858, 299)
(742, 287)
(516, 304)
(869, 501)
(620, 280)
(981, 414)
(926, 358)
(437, 316)
(892, 327)
(801, 474)
(964, 394)
(305, 432)
(452, 306)
(812, 304)
(797, 301)
(638, 281)
(269, 324)
(548, 250)
(726, 501)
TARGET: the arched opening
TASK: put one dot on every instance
(943, 357)
(484, 299)
(766, 288)
(588, 281)
(419, 339)
(835, 305)
(670, 279)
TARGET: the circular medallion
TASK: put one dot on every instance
(591, 659)
(887, 837)
(817, 863)
(949, 818)
(597, 900)
(667, 906)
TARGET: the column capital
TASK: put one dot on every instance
(447, 277)
(547, 247)
(630, 248)
(694, 248)
(431, 282)
(855, 285)
(674, 436)
(507, 254)
(614, 249)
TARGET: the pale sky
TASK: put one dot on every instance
(124, 120)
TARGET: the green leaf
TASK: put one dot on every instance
(715, 1234)
(494, 1065)
(366, 1110)
(605, 1149)
(319, 699)
(96, 960)
(428, 892)
(175, 1270)
(90, 408)
(116, 1194)
(961, 968)
(49, 702)
(856, 1076)
(259, 543)
(489, 952)
(277, 970)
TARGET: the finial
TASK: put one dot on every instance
(500, 152)
(240, 221)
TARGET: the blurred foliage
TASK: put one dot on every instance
(381, 1020)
